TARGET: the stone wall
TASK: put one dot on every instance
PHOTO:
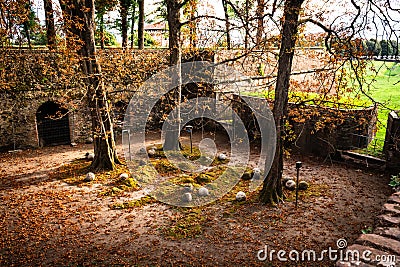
(319, 130)
(28, 79)
(18, 123)
(264, 63)
(262, 66)
(392, 142)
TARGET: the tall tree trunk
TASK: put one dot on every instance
(102, 31)
(27, 23)
(246, 27)
(50, 28)
(124, 4)
(81, 15)
(260, 22)
(227, 25)
(133, 26)
(272, 186)
(27, 34)
(141, 25)
(174, 24)
(10, 20)
(193, 24)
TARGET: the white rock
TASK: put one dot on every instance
(222, 156)
(285, 179)
(290, 184)
(303, 185)
(90, 177)
(240, 196)
(203, 192)
(123, 176)
(152, 152)
(187, 197)
(188, 188)
(90, 156)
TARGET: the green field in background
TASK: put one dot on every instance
(382, 84)
(383, 89)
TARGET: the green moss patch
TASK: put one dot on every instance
(75, 172)
(313, 191)
(189, 224)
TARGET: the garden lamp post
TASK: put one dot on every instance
(298, 166)
(189, 128)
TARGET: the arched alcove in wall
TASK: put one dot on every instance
(52, 124)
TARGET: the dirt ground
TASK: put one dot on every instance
(47, 222)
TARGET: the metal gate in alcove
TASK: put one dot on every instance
(52, 125)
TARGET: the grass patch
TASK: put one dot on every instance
(164, 167)
(382, 77)
(193, 154)
(313, 191)
(189, 224)
(120, 186)
(75, 172)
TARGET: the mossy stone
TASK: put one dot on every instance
(204, 178)
(130, 182)
(303, 185)
(246, 176)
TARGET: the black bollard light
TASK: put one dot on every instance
(298, 166)
(129, 142)
(189, 128)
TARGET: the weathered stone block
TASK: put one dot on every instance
(380, 242)
(388, 220)
(392, 232)
(391, 208)
(352, 264)
(394, 199)
(370, 255)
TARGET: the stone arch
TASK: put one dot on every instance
(53, 124)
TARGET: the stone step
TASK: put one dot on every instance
(388, 220)
(371, 255)
(392, 208)
(395, 198)
(380, 242)
(391, 232)
(352, 264)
